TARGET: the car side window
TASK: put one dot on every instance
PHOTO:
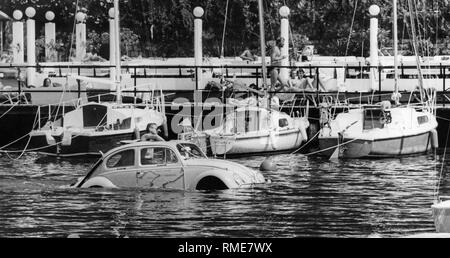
(171, 157)
(121, 159)
(152, 156)
(158, 156)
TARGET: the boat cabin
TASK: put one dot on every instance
(253, 119)
(375, 117)
(99, 117)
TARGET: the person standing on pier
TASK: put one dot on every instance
(275, 60)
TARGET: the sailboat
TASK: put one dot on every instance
(383, 130)
(94, 128)
(253, 126)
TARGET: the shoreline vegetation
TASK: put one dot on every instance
(162, 28)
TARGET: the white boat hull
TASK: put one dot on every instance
(386, 147)
(257, 142)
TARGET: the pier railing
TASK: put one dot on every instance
(250, 72)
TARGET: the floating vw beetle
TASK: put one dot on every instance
(166, 165)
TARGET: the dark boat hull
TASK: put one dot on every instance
(81, 145)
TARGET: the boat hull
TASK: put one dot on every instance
(379, 148)
(80, 145)
(236, 144)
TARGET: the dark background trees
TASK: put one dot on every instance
(164, 28)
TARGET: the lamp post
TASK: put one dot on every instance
(30, 12)
(50, 37)
(17, 40)
(374, 10)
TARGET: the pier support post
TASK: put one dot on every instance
(112, 45)
(30, 12)
(374, 10)
(17, 38)
(50, 37)
(80, 32)
(198, 52)
(284, 13)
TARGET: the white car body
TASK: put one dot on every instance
(176, 165)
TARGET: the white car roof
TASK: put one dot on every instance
(172, 144)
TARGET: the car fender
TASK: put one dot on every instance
(98, 181)
(224, 175)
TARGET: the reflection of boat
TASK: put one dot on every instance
(92, 128)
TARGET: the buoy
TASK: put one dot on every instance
(268, 165)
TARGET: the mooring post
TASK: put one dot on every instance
(284, 13)
(80, 35)
(17, 38)
(198, 52)
(374, 10)
(50, 37)
(30, 12)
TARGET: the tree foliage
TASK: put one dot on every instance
(165, 27)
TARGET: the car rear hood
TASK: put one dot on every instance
(247, 174)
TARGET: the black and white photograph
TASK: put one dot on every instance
(240, 120)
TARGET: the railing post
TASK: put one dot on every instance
(78, 82)
(196, 78)
(317, 84)
(257, 78)
(135, 83)
(19, 83)
(403, 71)
(379, 83)
(443, 76)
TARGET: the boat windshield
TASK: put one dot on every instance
(189, 151)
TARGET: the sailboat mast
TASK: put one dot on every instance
(262, 42)
(395, 32)
(413, 31)
(117, 48)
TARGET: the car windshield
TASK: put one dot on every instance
(189, 150)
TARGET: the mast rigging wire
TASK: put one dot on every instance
(224, 29)
(351, 28)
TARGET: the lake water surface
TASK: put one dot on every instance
(308, 197)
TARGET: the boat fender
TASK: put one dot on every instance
(303, 131)
(268, 165)
(273, 139)
(165, 128)
(136, 134)
(434, 139)
(67, 138)
(50, 139)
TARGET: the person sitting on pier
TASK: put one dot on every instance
(247, 55)
(48, 83)
(152, 134)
